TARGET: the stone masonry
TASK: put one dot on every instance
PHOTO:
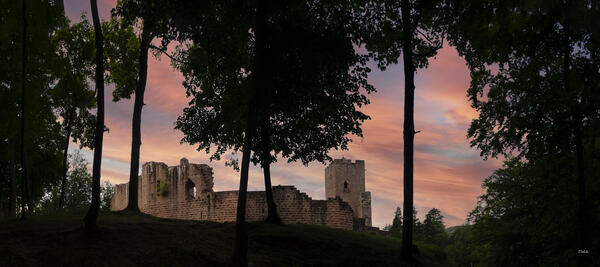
(346, 179)
(186, 192)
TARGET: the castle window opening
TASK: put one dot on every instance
(346, 189)
(190, 189)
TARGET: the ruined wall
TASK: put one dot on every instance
(190, 196)
(346, 179)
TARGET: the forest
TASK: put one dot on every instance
(289, 80)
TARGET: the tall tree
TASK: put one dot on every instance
(25, 187)
(72, 96)
(38, 135)
(396, 227)
(10, 46)
(307, 103)
(155, 18)
(92, 214)
(433, 229)
(536, 90)
(415, 30)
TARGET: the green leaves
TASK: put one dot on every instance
(381, 29)
(314, 78)
(121, 50)
(516, 54)
(72, 96)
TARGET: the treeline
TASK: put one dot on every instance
(287, 80)
(48, 103)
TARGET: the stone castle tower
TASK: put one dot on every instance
(346, 179)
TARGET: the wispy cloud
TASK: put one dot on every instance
(448, 172)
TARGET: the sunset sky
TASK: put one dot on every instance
(448, 173)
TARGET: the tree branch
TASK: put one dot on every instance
(432, 51)
(164, 51)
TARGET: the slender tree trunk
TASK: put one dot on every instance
(12, 197)
(136, 136)
(409, 132)
(65, 169)
(92, 214)
(272, 217)
(240, 253)
(25, 187)
(3, 175)
(582, 230)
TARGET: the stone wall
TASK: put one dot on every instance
(189, 196)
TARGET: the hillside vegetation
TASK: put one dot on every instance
(133, 239)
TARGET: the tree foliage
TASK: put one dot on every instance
(78, 189)
(315, 77)
(534, 68)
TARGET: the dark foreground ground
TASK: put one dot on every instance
(134, 239)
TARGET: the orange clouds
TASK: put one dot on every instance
(448, 172)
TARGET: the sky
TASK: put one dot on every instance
(447, 171)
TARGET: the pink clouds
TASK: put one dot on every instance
(448, 172)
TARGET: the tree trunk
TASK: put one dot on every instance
(136, 136)
(25, 187)
(272, 216)
(409, 132)
(3, 175)
(241, 232)
(92, 214)
(12, 197)
(581, 228)
(65, 169)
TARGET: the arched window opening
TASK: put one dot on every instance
(346, 189)
(190, 189)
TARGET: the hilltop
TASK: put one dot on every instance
(135, 239)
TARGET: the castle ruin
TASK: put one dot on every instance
(186, 192)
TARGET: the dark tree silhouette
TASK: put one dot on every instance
(27, 75)
(536, 90)
(136, 137)
(156, 18)
(311, 88)
(72, 95)
(92, 214)
(25, 182)
(240, 252)
(415, 30)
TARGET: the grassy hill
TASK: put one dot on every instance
(134, 239)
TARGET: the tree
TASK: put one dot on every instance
(25, 186)
(77, 191)
(155, 20)
(72, 95)
(533, 84)
(415, 30)
(396, 227)
(92, 214)
(108, 190)
(303, 82)
(433, 229)
(41, 137)
(145, 39)
(461, 251)
(525, 216)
